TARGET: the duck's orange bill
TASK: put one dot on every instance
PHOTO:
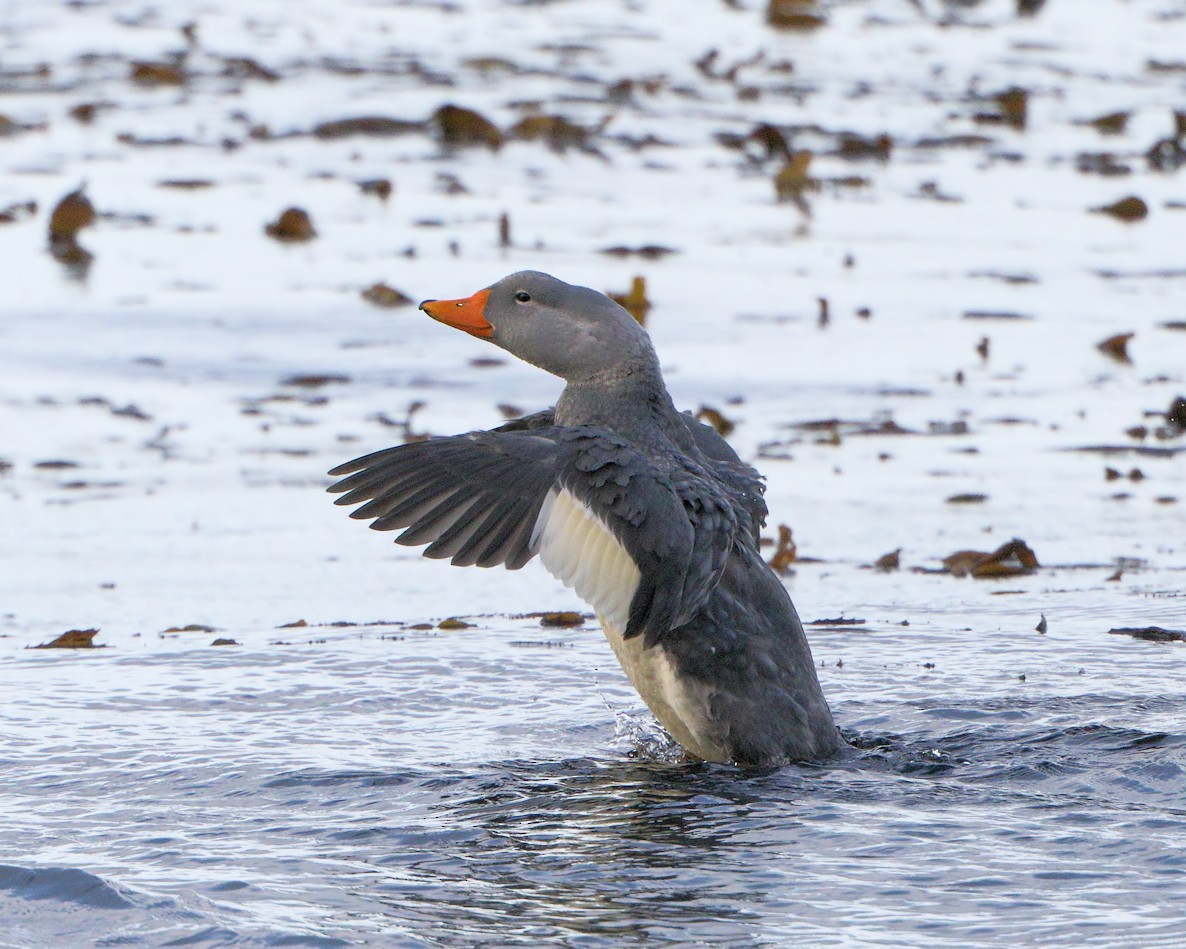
(467, 314)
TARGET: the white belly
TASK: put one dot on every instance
(578, 549)
(681, 706)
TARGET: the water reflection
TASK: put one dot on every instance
(641, 850)
(75, 259)
(597, 847)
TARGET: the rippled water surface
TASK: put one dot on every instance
(346, 771)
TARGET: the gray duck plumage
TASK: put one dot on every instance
(646, 512)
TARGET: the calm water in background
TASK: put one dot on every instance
(502, 784)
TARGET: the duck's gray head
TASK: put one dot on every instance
(572, 332)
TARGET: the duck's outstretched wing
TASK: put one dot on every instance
(473, 498)
(643, 545)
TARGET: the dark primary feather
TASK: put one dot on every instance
(475, 498)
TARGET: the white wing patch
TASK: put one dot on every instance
(580, 551)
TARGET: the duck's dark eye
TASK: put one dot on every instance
(523, 296)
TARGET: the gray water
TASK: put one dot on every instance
(371, 778)
(367, 790)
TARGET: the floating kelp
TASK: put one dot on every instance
(381, 295)
(723, 426)
(293, 226)
(1012, 559)
(556, 131)
(457, 127)
(1114, 123)
(635, 301)
(372, 126)
(157, 74)
(786, 553)
(73, 639)
(1116, 347)
(381, 188)
(1128, 210)
(1152, 634)
(70, 215)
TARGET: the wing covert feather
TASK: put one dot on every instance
(477, 499)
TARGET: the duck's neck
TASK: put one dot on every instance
(629, 399)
